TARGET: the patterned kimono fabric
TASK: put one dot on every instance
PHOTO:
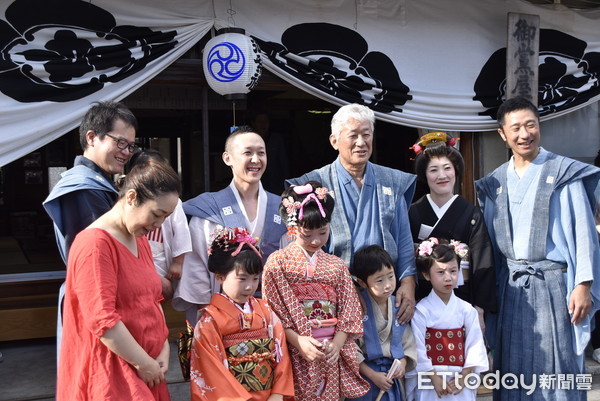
(462, 222)
(374, 356)
(317, 300)
(239, 355)
(536, 339)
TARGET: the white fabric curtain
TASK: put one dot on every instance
(422, 63)
(57, 57)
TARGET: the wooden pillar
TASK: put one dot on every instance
(468, 146)
(522, 56)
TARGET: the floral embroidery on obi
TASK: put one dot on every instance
(445, 346)
(251, 358)
(318, 300)
(318, 309)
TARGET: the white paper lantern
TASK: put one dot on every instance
(231, 62)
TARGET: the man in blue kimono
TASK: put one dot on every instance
(539, 208)
(244, 203)
(86, 191)
(371, 200)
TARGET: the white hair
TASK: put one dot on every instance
(354, 111)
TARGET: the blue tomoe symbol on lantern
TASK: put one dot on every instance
(226, 62)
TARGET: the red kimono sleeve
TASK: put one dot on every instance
(209, 378)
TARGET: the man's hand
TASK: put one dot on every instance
(580, 302)
(405, 299)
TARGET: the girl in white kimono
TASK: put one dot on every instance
(449, 341)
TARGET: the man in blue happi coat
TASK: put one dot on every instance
(371, 200)
(87, 191)
(539, 209)
(244, 203)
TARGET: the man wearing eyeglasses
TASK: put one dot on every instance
(87, 191)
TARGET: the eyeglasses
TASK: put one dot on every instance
(123, 144)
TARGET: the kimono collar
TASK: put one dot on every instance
(346, 179)
(247, 306)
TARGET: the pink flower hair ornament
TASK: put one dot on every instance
(292, 206)
(229, 237)
(426, 247)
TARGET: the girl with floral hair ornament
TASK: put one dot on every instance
(239, 351)
(449, 340)
(313, 294)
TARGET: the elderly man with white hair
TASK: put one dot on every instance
(371, 200)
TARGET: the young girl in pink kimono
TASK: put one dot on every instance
(313, 294)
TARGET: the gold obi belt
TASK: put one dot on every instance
(251, 358)
(445, 346)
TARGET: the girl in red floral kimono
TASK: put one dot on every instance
(239, 350)
(312, 293)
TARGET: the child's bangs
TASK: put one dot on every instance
(312, 218)
(248, 261)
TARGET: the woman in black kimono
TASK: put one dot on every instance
(442, 214)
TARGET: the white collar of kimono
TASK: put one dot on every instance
(311, 259)
(436, 298)
(247, 306)
(256, 226)
(440, 211)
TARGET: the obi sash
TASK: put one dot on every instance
(251, 356)
(318, 301)
(445, 346)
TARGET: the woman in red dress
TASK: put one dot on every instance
(115, 344)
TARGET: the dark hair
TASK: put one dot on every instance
(242, 129)
(442, 252)
(312, 218)
(438, 149)
(597, 160)
(514, 104)
(101, 117)
(150, 180)
(142, 157)
(370, 260)
(221, 262)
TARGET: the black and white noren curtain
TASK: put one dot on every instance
(59, 56)
(421, 63)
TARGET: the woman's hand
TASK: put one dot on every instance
(150, 372)
(163, 358)
(119, 340)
